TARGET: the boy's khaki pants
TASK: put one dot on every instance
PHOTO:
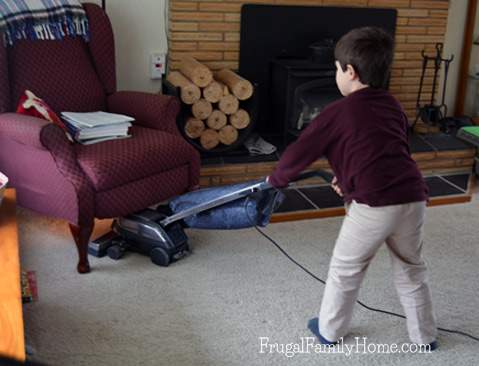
(363, 231)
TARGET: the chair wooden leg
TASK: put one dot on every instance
(81, 235)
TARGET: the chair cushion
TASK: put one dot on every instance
(148, 152)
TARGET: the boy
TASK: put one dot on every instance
(364, 137)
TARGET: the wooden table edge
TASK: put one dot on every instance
(12, 342)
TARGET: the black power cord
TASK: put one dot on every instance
(359, 302)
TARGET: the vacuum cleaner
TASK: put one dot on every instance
(159, 233)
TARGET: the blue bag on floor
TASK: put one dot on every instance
(254, 209)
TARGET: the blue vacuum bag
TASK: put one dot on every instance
(253, 210)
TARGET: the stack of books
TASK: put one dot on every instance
(92, 127)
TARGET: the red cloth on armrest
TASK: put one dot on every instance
(29, 104)
(149, 110)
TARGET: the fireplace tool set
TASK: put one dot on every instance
(432, 113)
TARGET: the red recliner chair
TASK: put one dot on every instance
(80, 182)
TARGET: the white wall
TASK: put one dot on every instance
(471, 105)
(139, 29)
(475, 48)
(453, 45)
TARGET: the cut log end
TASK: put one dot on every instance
(190, 93)
(240, 87)
(202, 109)
(217, 120)
(194, 128)
(228, 135)
(209, 139)
(228, 104)
(243, 90)
(240, 119)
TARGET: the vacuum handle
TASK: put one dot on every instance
(258, 186)
(328, 177)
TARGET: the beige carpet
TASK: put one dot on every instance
(212, 307)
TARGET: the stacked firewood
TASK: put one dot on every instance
(216, 115)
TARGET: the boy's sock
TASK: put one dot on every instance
(434, 345)
(313, 326)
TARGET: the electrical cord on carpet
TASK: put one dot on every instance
(359, 302)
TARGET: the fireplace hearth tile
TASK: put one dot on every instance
(439, 187)
(323, 196)
(442, 142)
(294, 201)
(250, 158)
(207, 160)
(460, 180)
(418, 145)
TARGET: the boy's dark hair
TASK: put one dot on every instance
(369, 50)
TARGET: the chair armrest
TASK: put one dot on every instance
(65, 157)
(149, 110)
(42, 134)
(22, 129)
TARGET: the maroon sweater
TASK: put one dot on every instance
(364, 137)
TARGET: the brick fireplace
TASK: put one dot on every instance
(210, 31)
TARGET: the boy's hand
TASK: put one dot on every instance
(335, 186)
(267, 181)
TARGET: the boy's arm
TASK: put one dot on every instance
(311, 144)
